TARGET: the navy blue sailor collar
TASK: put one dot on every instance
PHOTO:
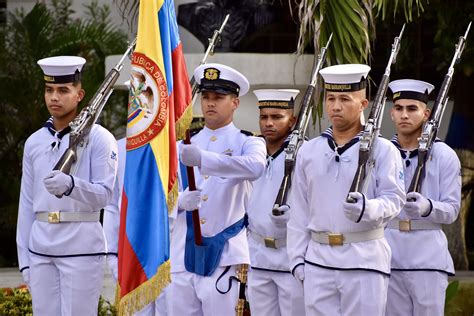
(281, 149)
(339, 150)
(407, 154)
(49, 125)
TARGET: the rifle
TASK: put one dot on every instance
(216, 37)
(189, 170)
(297, 135)
(242, 309)
(83, 122)
(372, 128)
(430, 128)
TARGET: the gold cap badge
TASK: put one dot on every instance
(211, 73)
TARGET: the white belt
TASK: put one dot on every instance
(269, 242)
(412, 224)
(339, 239)
(61, 217)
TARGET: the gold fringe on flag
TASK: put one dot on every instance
(182, 123)
(172, 197)
(143, 295)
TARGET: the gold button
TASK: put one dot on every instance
(204, 197)
(206, 177)
(203, 221)
(213, 138)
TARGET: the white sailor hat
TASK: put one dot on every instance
(346, 77)
(62, 69)
(276, 98)
(411, 89)
(221, 79)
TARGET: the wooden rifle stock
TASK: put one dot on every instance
(192, 187)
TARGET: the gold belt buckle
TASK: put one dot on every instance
(270, 242)
(335, 239)
(404, 226)
(53, 217)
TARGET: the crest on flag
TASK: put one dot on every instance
(147, 107)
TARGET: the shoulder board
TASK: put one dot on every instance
(247, 132)
(194, 131)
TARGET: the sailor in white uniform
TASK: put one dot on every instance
(61, 244)
(421, 261)
(336, 248)
(225, 161)
(272, 288)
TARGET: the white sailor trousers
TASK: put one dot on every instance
(194, 295)
(273, 293)
(344, 292)
(420, 293)
(66, 286)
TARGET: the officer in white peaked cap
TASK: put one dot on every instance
(337, 249)
(60, 240)
(421, 262)
(271, 287)
(226, 160)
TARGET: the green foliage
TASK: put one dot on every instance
(17, 302)
(106, 308)
(459, 296)
(409, 8)
(27, 37)
(452, 19)
(451, 291)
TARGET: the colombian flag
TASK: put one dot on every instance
(160, 90)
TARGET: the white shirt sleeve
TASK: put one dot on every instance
(389, 187)
(248, 166)
(98, 191)
(112, 220)
(26, 216)
(446, 207)
(298, 234)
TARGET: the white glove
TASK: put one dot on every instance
(191, 155)
(189, 200)
(26, 277)
(281, 220)
(298, 273)
(420, 207)
(112, 262)
(353, 211)
(57, 182)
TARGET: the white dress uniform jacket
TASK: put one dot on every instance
(428, 249)
(262, 199)
(94, 182)
(230, 160)
(321, 182)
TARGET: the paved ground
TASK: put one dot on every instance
(11, 277)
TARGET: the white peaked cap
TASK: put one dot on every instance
(276, 98)
(62, 69)
(221, 79)
(411, 89)
(346, 77)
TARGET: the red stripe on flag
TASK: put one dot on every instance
(134, 274)
(181, 87)
(179, 100)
